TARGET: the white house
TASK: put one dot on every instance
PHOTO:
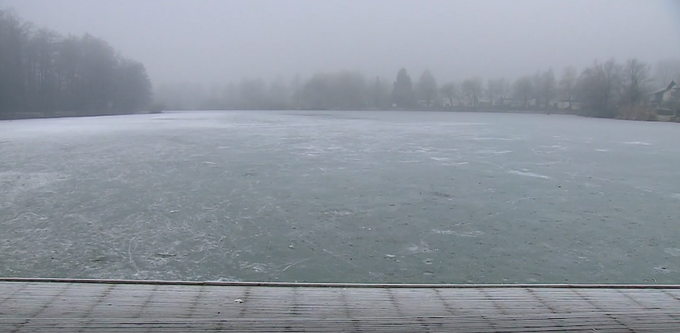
(564, 103)
(660, 97)
(446, 102)
(519, 103)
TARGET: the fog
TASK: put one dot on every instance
(384, 141)
(217, 41)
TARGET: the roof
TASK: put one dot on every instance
(670, 86)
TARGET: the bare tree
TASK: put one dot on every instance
(228, 96)
(598, 86)
(450, 90)
(567, 84)
(427, 87)
(523, 88)
(535, 84)
(547, 88)
(43, 72)
(637, 79)
(132, 87)
(503, 89)
(498, 89)
(472, 89)
(296, 86)
(339, 90)
(491, 89)
(252, 93)
(375, 93)
(279, 94)
(380, 94)
(544, 87)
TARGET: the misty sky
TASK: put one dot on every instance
(211, 41)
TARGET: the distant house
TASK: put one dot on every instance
(457, 102)
(513, 103)
(484, 102)
(518, 103)
(450, 102)
(660, 97)
(564, 103)
(464, 101)
(426, 104)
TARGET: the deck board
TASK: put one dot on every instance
(71, 306)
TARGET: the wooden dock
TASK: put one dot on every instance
(42, 305)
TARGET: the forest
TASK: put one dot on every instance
(45, 74)
(606, 89)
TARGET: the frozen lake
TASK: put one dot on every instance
(341, 197)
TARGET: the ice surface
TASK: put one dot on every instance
(341, 197)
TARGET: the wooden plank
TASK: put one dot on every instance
(368, 325)
(219, 303)
(421, 303)
(73, 302)
(343, 285)
(10, 289)
(109, 307)
(377, 302)
(650, 299)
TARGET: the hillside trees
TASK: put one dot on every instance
(43, 73)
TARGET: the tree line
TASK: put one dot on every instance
(45, 74)
(605, 89)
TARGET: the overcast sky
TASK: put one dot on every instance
(221, 40)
